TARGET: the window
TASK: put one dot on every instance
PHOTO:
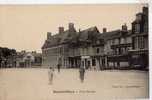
(98, 50)
(98, 42)
(129, 40)
(93, 62)
(121, 49)
(139, 17)
(146, 27)
(125, 40)
(83, 51)
(141, 42)
(124, 50)
(117, 51)
(60, 50)
(137, 28)
(116, 41)
(146, 42)
(113, 41)
(136, 43)
(122, 41)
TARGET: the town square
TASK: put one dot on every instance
(74, 52)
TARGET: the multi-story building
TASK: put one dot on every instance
(139, 52)
(58, 49)
(87, 47)
(70, 48)
(117, 46)
(91, 49)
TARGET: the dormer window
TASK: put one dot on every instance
(122, 41)
(139, 17)
(137, 28)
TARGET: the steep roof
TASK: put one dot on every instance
(59, 38)
(69, 36)
(89, 33)
(114, 34)
(110, 35)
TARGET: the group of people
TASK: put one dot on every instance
(51, 73)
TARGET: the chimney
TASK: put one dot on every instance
(49, 34)
(71, 26)
(61, 30)
(124, 27)
(104, 30)
(145, 10)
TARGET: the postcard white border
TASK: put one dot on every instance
(70, 1)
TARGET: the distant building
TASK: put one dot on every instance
(28, 59)
(37, 59)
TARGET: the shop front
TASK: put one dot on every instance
(139, 59)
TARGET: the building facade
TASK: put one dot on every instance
(118, 45)
(28, 59)
(58, 49)
(140, 49)
(117, 49)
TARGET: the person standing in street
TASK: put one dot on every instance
(82, 72)
(50, 74)
(58, 66)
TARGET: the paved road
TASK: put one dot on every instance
(33, 84)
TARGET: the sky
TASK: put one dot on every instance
(25, 27)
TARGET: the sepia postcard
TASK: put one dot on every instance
(74, 52)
